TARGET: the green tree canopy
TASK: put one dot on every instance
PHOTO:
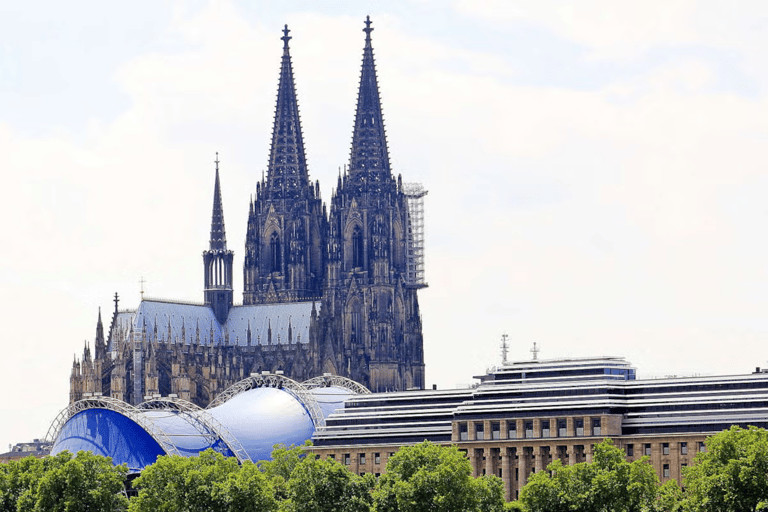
(732, 475)
(609, 483)
(436, 478)
(326, 486)
(207, 482)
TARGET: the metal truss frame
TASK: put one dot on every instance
(202, 420)
(326, 381)
(111, 404)
(273, 380)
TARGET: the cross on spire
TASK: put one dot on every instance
(285, 37)
(217, 161)
(535, 351)
(368, 29)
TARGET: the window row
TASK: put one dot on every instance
(548, 428)
(682, 448)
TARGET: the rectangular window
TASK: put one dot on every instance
(630, 450)
(562, 428)
(377, 458)
(528, 429)
(463, 434)
(512, 429)
(702, 446)
(332, 457)
(647, 448)
(495, 430)
(596, 427)
(665, 470)
(544, 428)
(684, 448)
(361, 456)
(479, 431)
(579, 423)
(346, 459)
(665, 448)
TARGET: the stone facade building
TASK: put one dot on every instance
(326, 290)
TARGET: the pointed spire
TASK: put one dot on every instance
(369, 158)
(99, 329)
(218, 234)
(287, 173)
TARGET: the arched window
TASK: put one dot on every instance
(357, 247)
(274, 246)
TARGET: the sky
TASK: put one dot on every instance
(596, 170)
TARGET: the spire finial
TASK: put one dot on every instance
(217, 161)
(285, 37)
(368, 29)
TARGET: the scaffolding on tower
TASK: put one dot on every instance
(414, 194)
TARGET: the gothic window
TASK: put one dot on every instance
(357, 247)
(274, 246)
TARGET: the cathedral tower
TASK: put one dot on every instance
(284, 242)
(217, 260)
(372, 311)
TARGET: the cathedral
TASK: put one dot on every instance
(327, 289)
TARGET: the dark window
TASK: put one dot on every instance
(512, 429)
(463, 434)
(647, 448)
(579, 424)
(346, 459)
(479, 431)
(702, 446)
(357, 247)
(562, 427)
(665, 448)
(528, 429)
(630, 450)
(684, 448)
(495, 430)
(377, 458)
(362, 458)
(544, 428)
(665, 471)
(596, 427)
(274, 246)
(332, 457)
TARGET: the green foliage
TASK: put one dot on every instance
(279, 468)
(609, 483)
(207, 482)
(62, 482)
(732, 475)
(430, 477)
(326, 486)
(669, 498)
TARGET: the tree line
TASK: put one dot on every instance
(731, 475)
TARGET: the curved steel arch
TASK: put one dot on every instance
(325, 381)
(273, 380)
(207, 425)
(115, 405)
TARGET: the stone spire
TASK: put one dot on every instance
(287, 173)
(218, 233)
(369, 157)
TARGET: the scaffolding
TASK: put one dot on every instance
(414, 194)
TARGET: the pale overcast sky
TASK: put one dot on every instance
(596, 169)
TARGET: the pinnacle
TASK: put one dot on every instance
(218, 235)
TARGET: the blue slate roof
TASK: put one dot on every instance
(180, 322)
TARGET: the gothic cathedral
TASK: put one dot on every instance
(325, 290)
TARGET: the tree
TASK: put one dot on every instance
(84, 482)
(609, 483)
(436, 478)
(62, 482)
(326, 486)
(732, 475)
(209, 481)
(279, 468)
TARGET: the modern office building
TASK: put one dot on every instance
(524, 415)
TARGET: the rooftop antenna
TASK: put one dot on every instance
(504, 348)
(141, 283)
(535, 351)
